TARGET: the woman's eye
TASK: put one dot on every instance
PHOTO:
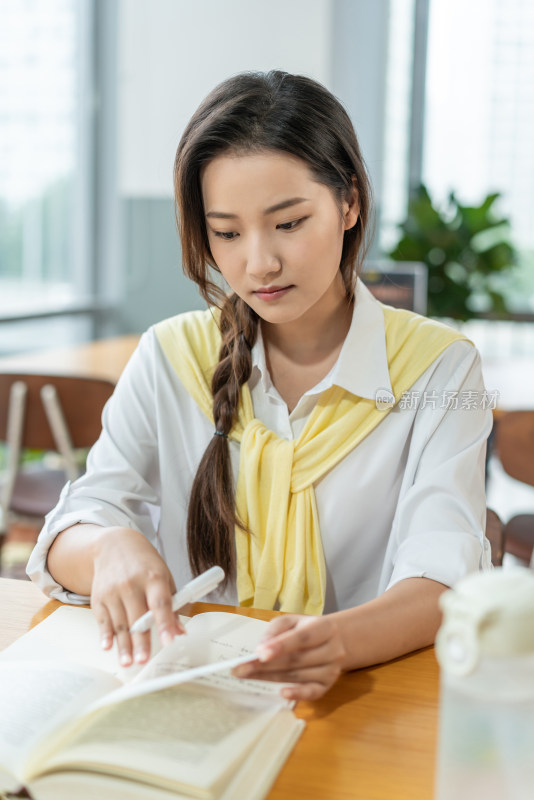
(227, 236)
(290, 226)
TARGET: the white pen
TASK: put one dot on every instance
(192, 591)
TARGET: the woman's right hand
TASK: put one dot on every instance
(130, 578)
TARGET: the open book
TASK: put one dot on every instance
(74, 725)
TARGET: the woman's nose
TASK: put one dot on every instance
(262, 261)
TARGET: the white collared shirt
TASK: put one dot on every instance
(408, 501)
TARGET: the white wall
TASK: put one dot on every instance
(173, 52)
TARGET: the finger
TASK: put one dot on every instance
(279, 625)
(304, 684)
(124, 644)
(121, 620)
(123, 610)
(308, 634)
(325, 674)
(329, 652)
(121, 630)
(304, 691)
(135, 606)
(105, 626)
(141, 647)
(159, 598)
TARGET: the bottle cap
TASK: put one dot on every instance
(486, 614)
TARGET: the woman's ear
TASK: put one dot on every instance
(351, 208)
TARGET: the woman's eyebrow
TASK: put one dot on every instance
(293, 201)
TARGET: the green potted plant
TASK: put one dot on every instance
(466, 250)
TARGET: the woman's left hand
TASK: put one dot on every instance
(305, 651)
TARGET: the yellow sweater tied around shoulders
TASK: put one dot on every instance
(281, 562)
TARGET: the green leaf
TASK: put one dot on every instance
(463, 248)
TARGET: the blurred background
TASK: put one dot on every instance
(94, 96)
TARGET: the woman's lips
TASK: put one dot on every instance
(270, 293)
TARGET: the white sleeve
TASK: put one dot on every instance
(438, 530)
(122, 484)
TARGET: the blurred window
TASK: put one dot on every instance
(45, 145)
(479, 117)
(399, 77)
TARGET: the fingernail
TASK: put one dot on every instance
(264, 653)
(140, 656)
(243, 671)
(125, 659)
(166, 637)
(105, 642)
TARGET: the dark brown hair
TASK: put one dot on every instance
(249, 113)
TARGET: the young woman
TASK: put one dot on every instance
(298, 433)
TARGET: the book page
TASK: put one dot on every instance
(214, 638)
(136, 732)
(266, 759)
(71, 634)
(251, 780)
(174, 677)
(214, 644)
(36, 698)
(88, 786)
(186, 735)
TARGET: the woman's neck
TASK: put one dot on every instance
(313, 336)
(300, 354)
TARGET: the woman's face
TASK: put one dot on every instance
(276, 234)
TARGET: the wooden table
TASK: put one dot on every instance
(105, 358)
(372, 737)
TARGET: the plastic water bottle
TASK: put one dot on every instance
(485, 648)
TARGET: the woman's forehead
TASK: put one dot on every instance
(267, 177)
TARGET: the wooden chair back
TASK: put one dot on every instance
(495, 536)
(514, 443)
(514, 440)
(81, 400)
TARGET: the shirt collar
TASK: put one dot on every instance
(259, 363)
(362, 365)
